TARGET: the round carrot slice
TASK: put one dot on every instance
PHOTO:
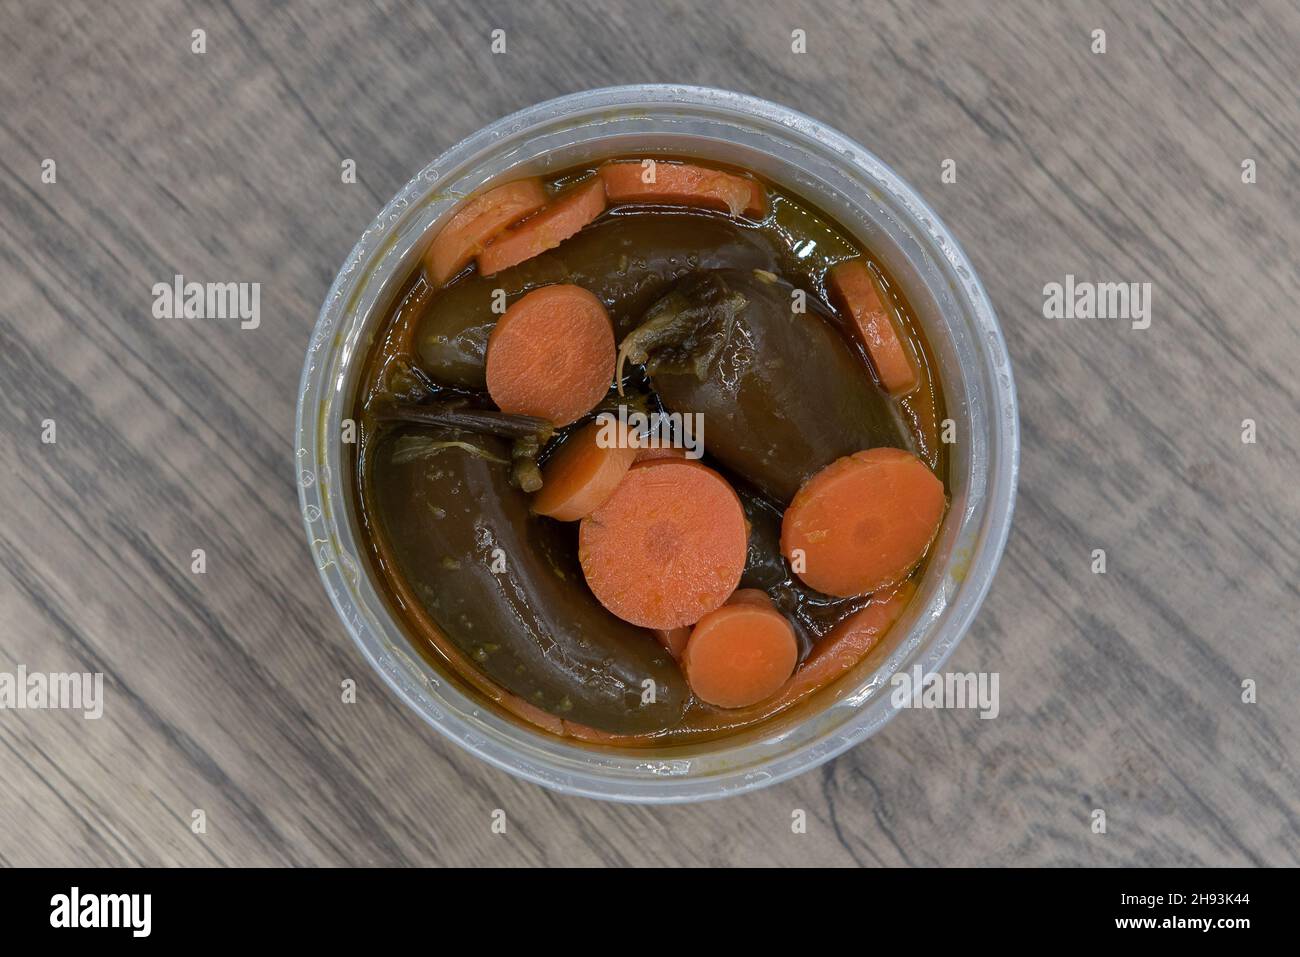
(839, 652)
(750, 596)
(855, 293)
(665, 452)
(739, 655)
(477, 222)
(584, 471)
(863, 522)
(682, 184)
(674, 639)
(551, 354)
(572, 210)
(667, 547)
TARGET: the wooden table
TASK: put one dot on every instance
(1120, 691)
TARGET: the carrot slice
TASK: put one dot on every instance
(838, 653)
(667, 547)
(855, 292)
(476, 223)
(756, 208)
(850, 640)
(570, 211)
(750, 596)
(674, 639)
(848, 643)
(862, 522)
(551, 354)
(740, 654)
(665, 452)
(681, 184)
(583, 473)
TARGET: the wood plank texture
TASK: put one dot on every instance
(1119, 691)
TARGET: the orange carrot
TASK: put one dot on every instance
(664, 452)
(551, 354)
(750, 596)
(584, 472)
(477, 222)
(838, 653)
(682, 184)
(756, 208)
(862, 522)
(856, 294)
(570, 211)
(848, 643)
(850, 640)
(740, 654)
(674, 639)
(667, 547)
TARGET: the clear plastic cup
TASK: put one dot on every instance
(869, 200)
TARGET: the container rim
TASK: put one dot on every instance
(326, 522)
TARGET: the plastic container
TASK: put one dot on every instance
(870, 201)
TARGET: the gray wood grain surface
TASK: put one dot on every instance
(1120, 691)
